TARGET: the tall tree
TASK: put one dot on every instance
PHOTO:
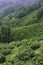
(5, 34)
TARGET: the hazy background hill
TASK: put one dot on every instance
(4, 3)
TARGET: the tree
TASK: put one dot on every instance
(40, 13)
(5, 34)
(2, 58)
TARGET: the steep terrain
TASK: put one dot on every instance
(21, 34)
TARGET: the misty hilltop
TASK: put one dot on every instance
(4, 3)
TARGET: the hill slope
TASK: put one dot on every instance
(21, 35)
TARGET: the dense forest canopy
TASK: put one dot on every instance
(21, 32)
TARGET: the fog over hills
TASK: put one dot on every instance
(4, 3)
(10, 2)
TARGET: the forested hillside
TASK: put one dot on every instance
(21, 34)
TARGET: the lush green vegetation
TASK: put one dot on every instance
(22, 52)
(21, 35)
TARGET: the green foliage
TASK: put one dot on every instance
(12, 17)
(5, 34)
(27, 32)
(21, 35)
(6, 51)
(2, 58)
(23, 51)
(35, 46)
(26, 54)
(40, 12)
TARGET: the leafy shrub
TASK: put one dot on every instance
(2, 58)
(40, 39)
(7, 63)
(26, 54)
(6, 51)
(33, 20)
(40, 12)
(5, 34)
(35, 46)
(11, 46)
